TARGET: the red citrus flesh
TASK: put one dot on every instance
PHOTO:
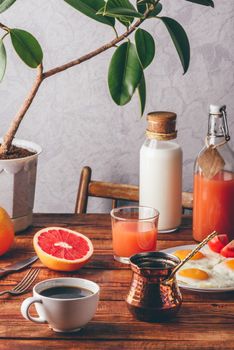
(62, 249)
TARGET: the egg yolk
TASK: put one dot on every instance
(230, 264)
(194, 274)
(181, 254)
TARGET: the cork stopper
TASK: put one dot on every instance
(161, 125)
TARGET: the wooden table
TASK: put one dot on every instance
(205, 321)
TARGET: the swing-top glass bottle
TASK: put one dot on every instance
(213, 204)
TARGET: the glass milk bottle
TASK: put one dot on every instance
(213, 202)
(161, 170)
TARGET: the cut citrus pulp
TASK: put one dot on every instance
(62, 249)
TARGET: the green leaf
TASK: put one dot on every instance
(146, 2)
(180, 40)
(90, 9)
(145, 47)
(116, 5)
(142, 8)
(27, 47)
(142, 93)
(3, 59)
(203, 2)
(117, 11)
(126, 4)
(125, 72)
(5, 4)
(124, 20)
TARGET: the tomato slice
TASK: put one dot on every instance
(218, 243)
(228, 250)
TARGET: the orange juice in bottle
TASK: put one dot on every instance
(213, 204)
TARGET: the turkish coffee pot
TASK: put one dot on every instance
(154, 294)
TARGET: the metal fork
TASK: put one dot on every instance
(24, 284)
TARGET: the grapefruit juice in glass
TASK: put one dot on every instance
(213, 202)
(134, 230)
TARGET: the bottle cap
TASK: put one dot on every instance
(161, 125)
(215, 109)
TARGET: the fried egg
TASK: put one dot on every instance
(226, 271)
(207, 269)
(211, 254)
(199, 278)
(199, 260)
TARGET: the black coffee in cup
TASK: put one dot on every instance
(67, 304)
(66, 292)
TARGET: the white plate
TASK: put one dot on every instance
(195, 289)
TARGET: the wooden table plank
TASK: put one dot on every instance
(111, 281)
(97, 222)
(49, 344)
(113, 321)
(178, 331)
(205, 320)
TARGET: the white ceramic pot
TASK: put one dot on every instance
(17, 185)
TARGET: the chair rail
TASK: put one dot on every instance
(114, 191)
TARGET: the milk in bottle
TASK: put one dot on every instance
(161, 170)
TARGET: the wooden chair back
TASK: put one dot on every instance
(89, 188)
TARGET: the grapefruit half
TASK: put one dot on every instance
(6, 232)
(62, 249)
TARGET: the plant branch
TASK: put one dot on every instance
(2, 26)
(9, 136)
(96, 52)
(7, 140)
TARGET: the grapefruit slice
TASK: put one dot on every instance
(62, 249)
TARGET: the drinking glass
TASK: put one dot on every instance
(134, 230)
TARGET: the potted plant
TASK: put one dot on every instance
(18, 159)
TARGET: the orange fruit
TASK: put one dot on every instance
(62, 249)
(6, 232)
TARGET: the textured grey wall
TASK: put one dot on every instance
(73, 117)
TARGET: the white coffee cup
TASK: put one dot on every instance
(63, 315)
